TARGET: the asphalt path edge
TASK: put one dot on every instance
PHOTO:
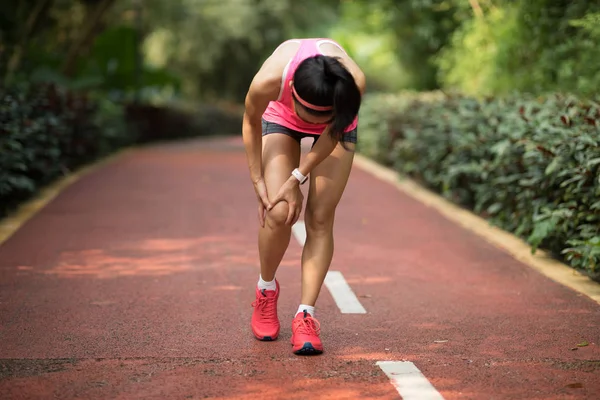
(515, 246)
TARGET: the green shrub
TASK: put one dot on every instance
(529, 165)
(46, 131)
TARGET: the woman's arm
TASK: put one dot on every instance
(263, 89)
(261, 92)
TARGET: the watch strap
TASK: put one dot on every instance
(298, 175)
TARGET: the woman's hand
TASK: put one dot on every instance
(290, 193)
(263, 200)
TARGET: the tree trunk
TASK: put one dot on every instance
(476, 8)
(92, 21)
(17, 55)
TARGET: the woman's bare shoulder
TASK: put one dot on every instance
(266, 84)
(268, 78)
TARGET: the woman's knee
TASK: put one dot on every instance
(319, 219)
(277, 216)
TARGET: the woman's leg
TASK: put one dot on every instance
(281, 154)
(327, 183)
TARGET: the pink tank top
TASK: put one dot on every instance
(281, 111)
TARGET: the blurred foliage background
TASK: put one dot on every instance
(82, 78)
(208, 50)
(195, 50)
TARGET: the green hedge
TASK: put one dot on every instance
(529, 165)
(47, 131)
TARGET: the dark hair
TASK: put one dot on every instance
(324, 81)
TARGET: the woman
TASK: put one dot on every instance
(306, 88)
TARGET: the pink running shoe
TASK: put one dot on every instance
(265, 323)
(305, 335)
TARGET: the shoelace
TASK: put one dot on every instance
(266, 307)
(307, 326)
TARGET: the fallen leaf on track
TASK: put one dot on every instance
(577, 385)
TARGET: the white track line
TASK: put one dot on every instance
(299, 231)
(341, 292)
(408, 380)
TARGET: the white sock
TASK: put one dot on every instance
(262, 284)
(309, 309)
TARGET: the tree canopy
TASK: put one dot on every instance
(210, 49)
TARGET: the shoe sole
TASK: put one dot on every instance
(308, 350)
(266, 338)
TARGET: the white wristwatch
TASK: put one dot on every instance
(298, 175)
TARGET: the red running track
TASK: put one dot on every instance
(137, 280)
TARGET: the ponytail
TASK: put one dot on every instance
(346, 96)
(324, 81)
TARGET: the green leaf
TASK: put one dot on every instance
(554, 165)
(494, 208)
(593, 162)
